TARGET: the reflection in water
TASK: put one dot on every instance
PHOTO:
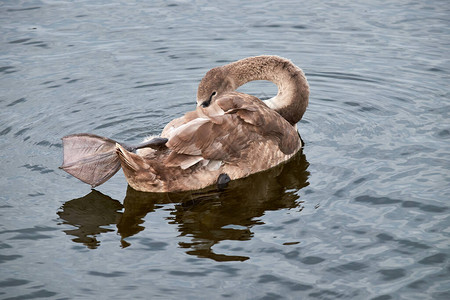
(88, 214)
(208, 216)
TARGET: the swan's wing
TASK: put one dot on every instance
(175, 123)
(245, 121)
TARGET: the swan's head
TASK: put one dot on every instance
(215, 83)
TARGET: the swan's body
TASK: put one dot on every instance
(229, 132)
(230, 135)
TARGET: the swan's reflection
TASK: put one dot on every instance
(89, 214)
(208, 216)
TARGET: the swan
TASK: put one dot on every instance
(230, 135)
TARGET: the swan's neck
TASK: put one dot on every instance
(293, 89)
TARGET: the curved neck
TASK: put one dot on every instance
(293, 89)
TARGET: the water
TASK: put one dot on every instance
(361, 213)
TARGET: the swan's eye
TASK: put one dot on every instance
(208, 102)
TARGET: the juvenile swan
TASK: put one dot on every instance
(230, 135)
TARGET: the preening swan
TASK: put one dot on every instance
(229, 135)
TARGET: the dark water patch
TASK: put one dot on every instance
(433, 259)
(300, 27)
(327, 100)
(223, 61)
(312, 260)
(406, 204)
(292, 254)
(292, 285)
(72, 80)
(43, 143)
(7, 70)
(292, 221)
(424, 207)
(404, 246)
(441, 295)
(348, 268)
(38, 168)
(5, 246)
(299, 287)
(36, 194)
(30, 233)
(382, 297)
(418, 284)
(189, 273)
(30, 237)
(9, 282)
(152, 85)
(392, 274)
(228, 270)
(21, 132)
(6, 130)
(350, 103)
(414, 150)
(47, 144)
(107, 275)
(20, 41)
(193, 68)
(413, 245)
(153, 245)
(21, 100)
(327, 295)
(6, 258)
(376, 200)
(340, 193)
(23, 9)
(435, 69)
(445, 133)
(160, 50)
(267, 26)
(34, 295)
(369, 109)
(359, 180)
(37, 44)
(271, 296)
(385, 237)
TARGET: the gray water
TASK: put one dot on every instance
(361, 213)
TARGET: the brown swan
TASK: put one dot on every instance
(230, 135)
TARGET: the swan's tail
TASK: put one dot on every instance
(90, 158)
(94, 159)
(138, 171)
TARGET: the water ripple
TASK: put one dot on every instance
(364, 217)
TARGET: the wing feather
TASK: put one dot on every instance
(226, 137)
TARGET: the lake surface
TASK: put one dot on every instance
(361, 213)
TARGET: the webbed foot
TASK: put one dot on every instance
(222, 181)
